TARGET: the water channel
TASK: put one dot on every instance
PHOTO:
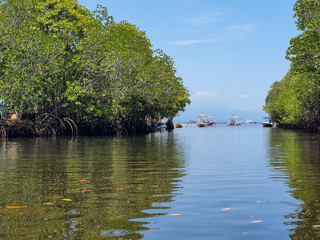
(242, 182)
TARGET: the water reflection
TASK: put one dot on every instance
(87, 188)
(295, 158)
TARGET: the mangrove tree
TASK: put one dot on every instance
(295, 100)
(65, 70)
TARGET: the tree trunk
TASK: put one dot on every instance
(169, 124)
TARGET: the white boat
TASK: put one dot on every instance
(267, 122)
(204, 121)
(234, 121)
(248, 121)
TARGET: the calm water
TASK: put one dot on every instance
(219, 182)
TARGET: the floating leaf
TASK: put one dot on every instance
(119, 189)
(16, 207)
(67, 200)
(226, 209)
(47, 203)
(175, 214)
(257, 221)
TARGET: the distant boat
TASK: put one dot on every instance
(248, 121)
(178, 125)
(267, 122)
(234, 121)
(204, 121)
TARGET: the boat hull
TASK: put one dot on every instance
(267, 124)
(234, 124)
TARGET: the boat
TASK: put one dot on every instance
(267, 122)
(234, 121)
(178, 125)
(248, 121)
(204, 121)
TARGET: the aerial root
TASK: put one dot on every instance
(72, 125)
(45, 125)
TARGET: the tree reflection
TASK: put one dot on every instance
(295, 157)
(87, 188)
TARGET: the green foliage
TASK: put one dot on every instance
(57, 57)
(295, 100)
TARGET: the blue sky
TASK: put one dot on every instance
(228, 53)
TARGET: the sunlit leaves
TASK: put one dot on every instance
(307, 14)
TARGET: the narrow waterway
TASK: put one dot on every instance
(242, 182)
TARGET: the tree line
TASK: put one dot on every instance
(294, 101)
(66, 69)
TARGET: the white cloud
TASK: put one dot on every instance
(243, 28)
(206, 18)
(207, 95)
(245, 96)
(191, 42)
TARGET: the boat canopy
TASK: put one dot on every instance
(266, 119)
(233, 116)
(204, 118)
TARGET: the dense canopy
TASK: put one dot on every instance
(64, 67)
(295, 100)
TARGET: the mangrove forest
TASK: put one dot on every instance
(67, 70)
(294, 102)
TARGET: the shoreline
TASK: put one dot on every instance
(66, 127)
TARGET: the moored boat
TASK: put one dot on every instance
(204, 121)
(234, 121)
(267, 122)
(248, 121)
